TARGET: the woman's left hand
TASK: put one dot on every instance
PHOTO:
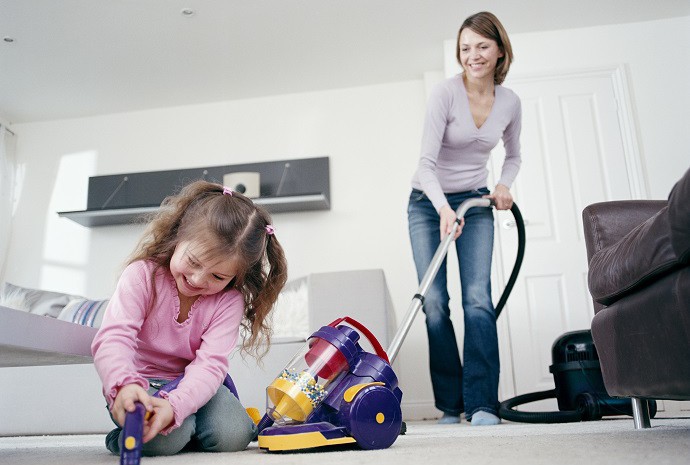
(502, 197)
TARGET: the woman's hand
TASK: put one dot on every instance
(448, 217)
(502, 197)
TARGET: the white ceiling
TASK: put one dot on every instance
(72, 58)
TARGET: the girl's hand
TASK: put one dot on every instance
(163, 415)
(124, 402)
(502, 197)
(448, 217)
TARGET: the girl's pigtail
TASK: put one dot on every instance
(277, 274)
(273, 276)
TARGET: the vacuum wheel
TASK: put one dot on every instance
(588, 406)
(375, 418)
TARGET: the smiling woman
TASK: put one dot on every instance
(482, 39)
(466, 117)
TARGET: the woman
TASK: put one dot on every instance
(466, 116)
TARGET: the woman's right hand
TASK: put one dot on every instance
(448, 218)
(125, 399)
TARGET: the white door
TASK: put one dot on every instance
(576, 150)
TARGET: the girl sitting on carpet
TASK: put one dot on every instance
(208, 264)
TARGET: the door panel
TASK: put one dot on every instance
(573, 155)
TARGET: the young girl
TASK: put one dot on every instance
(208, 264)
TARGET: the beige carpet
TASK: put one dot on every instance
(609, 441)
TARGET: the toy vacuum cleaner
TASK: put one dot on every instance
(333, 393)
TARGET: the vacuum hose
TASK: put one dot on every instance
(520, 224)
(587, 407)
(506, 411)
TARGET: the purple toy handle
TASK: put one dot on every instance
(227, 382)
(169, 387)
(132, 433)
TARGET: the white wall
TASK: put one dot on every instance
(657, 57)
(372, 135)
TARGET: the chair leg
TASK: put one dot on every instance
(640, 408)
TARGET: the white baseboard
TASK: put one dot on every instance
(419, 410)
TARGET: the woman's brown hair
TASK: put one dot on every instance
(487, 25)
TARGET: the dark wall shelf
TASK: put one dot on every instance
(286, 186)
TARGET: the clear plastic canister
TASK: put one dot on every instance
(304, 382)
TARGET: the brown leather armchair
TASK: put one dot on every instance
(639, 279)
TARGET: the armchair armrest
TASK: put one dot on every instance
(605, 223)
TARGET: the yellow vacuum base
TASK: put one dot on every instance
(308, 440)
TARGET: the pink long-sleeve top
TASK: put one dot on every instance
(136, 343)
(455, 151)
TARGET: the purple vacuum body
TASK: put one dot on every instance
(333, 392)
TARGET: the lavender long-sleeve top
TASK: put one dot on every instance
(455, 152)
(135, 344)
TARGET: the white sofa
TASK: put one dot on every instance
(49, 386)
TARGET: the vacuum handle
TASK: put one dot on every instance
(169, 387)
(431, 271)
(370, 336)
(475, 202)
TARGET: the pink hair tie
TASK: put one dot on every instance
(227, 191)
(270, 230)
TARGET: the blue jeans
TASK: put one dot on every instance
(473, 387)
(222, 425)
